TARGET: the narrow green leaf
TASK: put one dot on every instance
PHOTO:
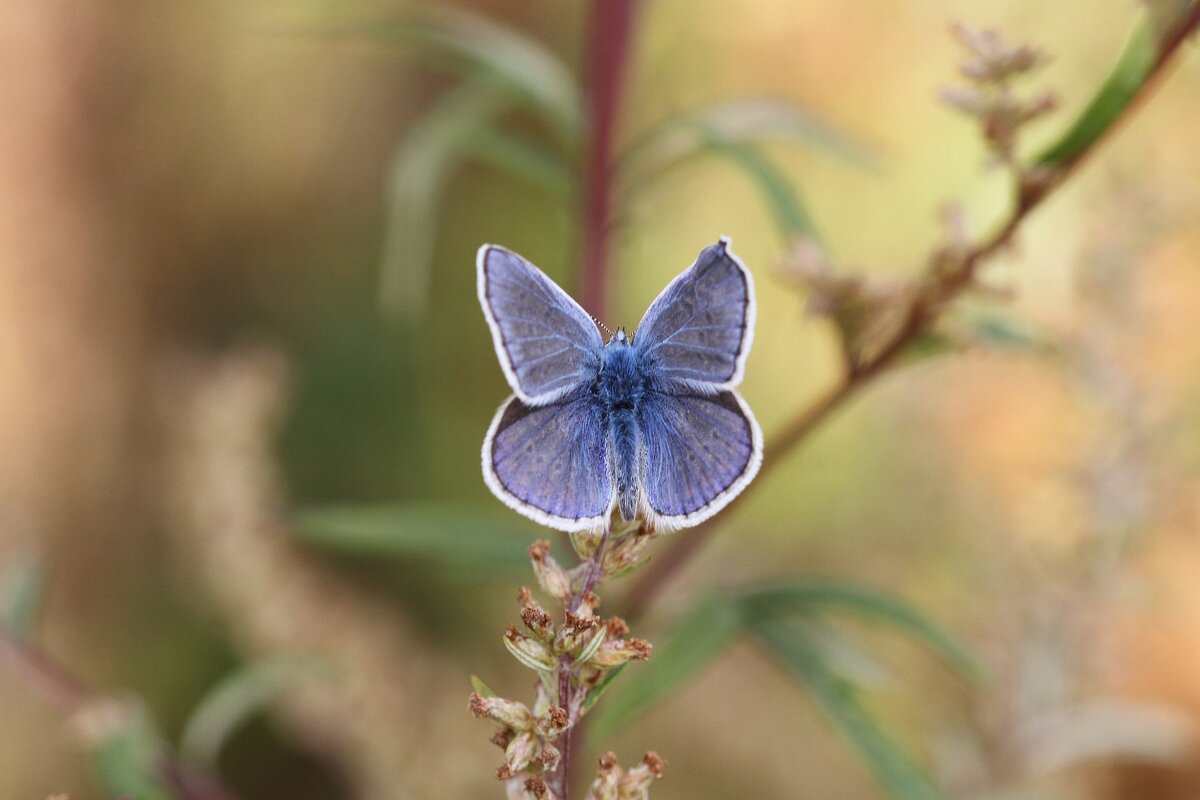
(520, 158)
(1004, 333)
(130, 760)
(477, 44)
(482, 688)
(684, 137)
(237, 699)
(420, 168)
(772, 602)
(699, 637)
(21, 592)
(780, 195)
(599, 689)
(900, 776)
(453, 535)
(1128, 76)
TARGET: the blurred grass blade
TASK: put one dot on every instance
(770, 603)
(453, 535)
(741, 121)
(131, 759)
(21, 590)
(777, 191)
(542, 80)
(522, 159)
(1133, 69)
(703, 634)
(236, 700)
(1004, 333)
(458, 128)
(420, 168)
(896, 772)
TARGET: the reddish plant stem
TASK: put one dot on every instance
(70, 697)
(568, 739)
(609, 28)
(59, 687)
(939, 289)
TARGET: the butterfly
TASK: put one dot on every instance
(648, 424)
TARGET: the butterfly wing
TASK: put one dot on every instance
(701, 450)
(546, 343)
(698, 332)
(550, 462)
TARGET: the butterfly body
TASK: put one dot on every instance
(619, 389)
(649, 425)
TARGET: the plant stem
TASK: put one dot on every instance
(568, 741)
(939, 290)
(70, 696)
(63, 690)
(609, 28)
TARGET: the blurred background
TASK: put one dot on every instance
(244, 379)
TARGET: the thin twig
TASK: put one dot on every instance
(924, 312)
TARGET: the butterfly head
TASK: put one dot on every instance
(620, 338)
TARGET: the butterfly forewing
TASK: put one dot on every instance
(546, 343)
(550, 462)
(701, 450)
(699, 330)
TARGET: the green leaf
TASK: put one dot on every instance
(1134, 67)
(599, 689)
(451, 534)
(1003, 333)
(479, 45)
(698, 638)
(900, 776)
(780, 195)
(520, 158)
(684, 137)
(420, 169)
(482, 688)
(21, 593)
(236, 700)
(130, 760)
(770, 603)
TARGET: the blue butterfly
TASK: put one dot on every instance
(649, 424)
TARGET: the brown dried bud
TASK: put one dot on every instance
(536, 618)
(530, 652)
(617, 627)
(502, 737)
(636, 781)
(578, 624)
(551, 576)
(537, 788)
(606, 786)
(509, 713)
(552, 723)
(992, 59)
(520, 752)
(615, 652)
(547, 758)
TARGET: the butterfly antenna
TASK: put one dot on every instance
(602, 327)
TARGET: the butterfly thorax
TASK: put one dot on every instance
(619, 390)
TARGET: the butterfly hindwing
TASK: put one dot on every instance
(699, 330)
(546, 343)
(550, 462)
(701, 450)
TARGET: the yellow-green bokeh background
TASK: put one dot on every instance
(186, 187)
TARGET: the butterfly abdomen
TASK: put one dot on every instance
(619, 388)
